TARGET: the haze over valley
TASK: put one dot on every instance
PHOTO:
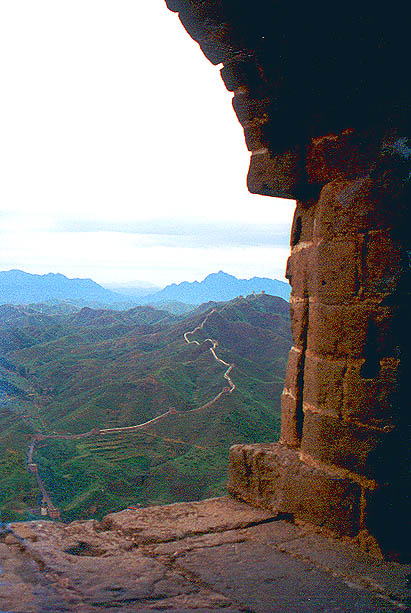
(19, 287)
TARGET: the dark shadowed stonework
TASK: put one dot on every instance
(323, 93)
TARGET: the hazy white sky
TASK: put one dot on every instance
(121, 157)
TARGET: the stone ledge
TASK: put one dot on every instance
(274, 477)
(183, 519)
(193, 557)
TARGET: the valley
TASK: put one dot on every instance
(135, 407)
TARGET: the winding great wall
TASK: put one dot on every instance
(32, 467)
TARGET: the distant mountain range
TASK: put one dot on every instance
(18, 287)
(219, 286)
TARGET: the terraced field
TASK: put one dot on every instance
(98, 370)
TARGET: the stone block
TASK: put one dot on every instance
(343, 155)
(338, 330)
(351, 330)
(356, 448)
(334, 270)
(323, 383)
(177, 521)
(173, 5)
(274, 477)
(368, 203)
(291, 420)
(385, 191)
(299, 320)
(343, 209)
(303, 223)
(295, 370)
(291, 416)
(278, 175)
(327, 270)
(372, 400)
(299, 270)
(253, 114)
(382, 265)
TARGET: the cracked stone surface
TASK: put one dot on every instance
(218, 554)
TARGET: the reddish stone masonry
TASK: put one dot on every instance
(341, 457)
(330, 128)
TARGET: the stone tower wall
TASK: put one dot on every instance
(325, 104)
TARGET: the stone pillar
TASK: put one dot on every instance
(343, 456)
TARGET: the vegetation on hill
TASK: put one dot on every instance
(65, 371)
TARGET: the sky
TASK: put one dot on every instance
(121, 157)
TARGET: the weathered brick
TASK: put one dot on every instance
(349, 330)
(303, 223)
(278, 175)
(371, 400)
(385, 331)
(342, 209)
(290, 420)
(358, 449)
(338, 330)
(334, 270)
(274, 477)
(295, 369)
(327, 270)
(361, 205)
(291, 398)
(299, 320)
(299, 269)
(323, 383)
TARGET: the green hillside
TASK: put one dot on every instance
(68, 371)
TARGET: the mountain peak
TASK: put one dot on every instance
(220, 275)
(219, 286)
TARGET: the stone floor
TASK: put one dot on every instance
(218, 554)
